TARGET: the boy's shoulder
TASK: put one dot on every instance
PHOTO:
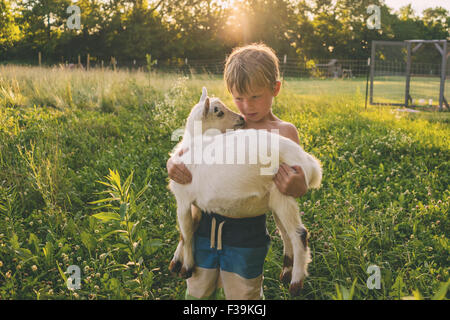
(288, 130)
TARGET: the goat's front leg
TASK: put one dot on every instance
(187, 235)
(177, 261)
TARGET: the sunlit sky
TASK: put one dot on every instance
(418, 5)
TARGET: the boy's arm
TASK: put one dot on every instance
(178, 171)
(291, 180)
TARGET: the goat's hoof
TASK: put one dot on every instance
(186, 272)
(175, 266)
(295, 288)
(285, 277)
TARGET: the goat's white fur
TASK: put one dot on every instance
(239, 190)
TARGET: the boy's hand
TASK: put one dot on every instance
(290, 181)
(177, 171)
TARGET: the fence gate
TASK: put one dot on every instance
(410, 73)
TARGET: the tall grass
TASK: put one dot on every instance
(68, 139)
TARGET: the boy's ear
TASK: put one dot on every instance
(276, 88)
(206, 107)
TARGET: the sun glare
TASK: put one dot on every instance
(226, 3)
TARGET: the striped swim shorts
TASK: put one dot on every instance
(229, 253)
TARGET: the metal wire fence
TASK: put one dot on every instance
(389, 73)
(410, 73)
(289, 67)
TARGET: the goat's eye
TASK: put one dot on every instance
(215, 109)
(220, 114)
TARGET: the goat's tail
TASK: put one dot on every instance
(316, 177)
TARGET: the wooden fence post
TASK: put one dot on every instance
(87, 62)
(40, 58)
(113, 61)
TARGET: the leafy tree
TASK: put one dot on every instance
(197, 27)
(206, 29)
(142, 31)
(9, 30)
(436, 15)
(42, 21)
(437, 23)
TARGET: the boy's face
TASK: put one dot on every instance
(257, 103)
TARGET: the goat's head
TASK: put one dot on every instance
(213, 114)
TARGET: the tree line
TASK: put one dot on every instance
(206, 29)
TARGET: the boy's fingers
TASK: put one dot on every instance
(283, 171)
(186, 173)
(278, 174)
(180, 179)
(279, 180)
(183, 175)
(176, 172)
(276, 180)
(281, 177)
(175, 178)
(298, 169)
(279, 185)
(289, 169)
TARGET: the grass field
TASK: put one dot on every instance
(391, 89)
(74, 144)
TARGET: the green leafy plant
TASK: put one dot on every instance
(124, 215)
(150, 62)
(124, 212)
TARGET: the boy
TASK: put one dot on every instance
(252, 77)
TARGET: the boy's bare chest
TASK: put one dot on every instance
(278, 128)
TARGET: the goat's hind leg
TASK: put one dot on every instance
(286, 210)
(288, 256)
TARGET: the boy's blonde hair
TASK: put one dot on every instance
(250, 66)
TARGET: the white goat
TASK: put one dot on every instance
(240, 190)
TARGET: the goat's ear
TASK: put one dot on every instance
(206, 107)
(204, 94)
